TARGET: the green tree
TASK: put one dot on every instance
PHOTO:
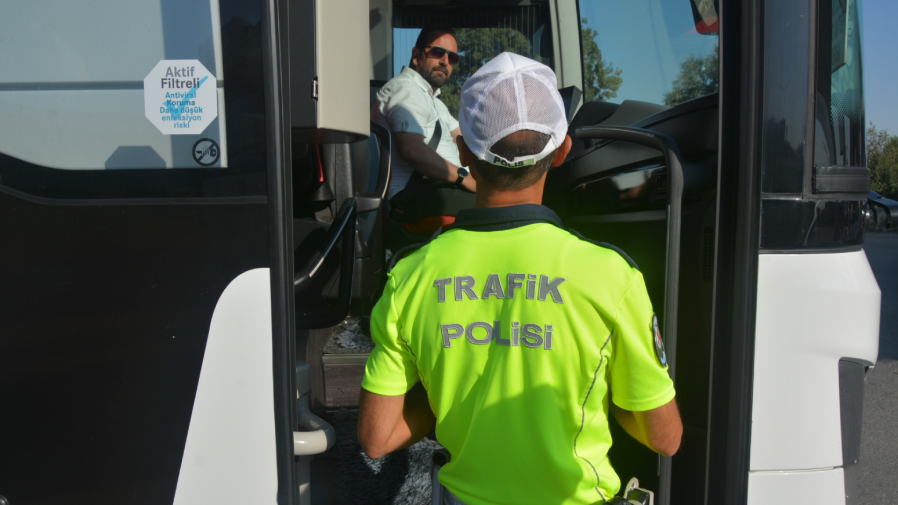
(600, 79)
(478, 46)
(882, 160)
(699, 76)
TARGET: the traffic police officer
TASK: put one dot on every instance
(524, 335)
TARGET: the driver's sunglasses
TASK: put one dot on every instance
(437, 52)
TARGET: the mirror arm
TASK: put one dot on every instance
(881, 213)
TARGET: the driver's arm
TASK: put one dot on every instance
(389, 423)
(658, 429)
(425, 160)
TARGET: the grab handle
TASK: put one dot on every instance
(316, 435)
(674, 161)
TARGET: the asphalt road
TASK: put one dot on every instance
(878, 465)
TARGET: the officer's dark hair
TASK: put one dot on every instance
(432, 32)
(514, 179)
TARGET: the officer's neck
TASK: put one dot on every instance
(488, 197)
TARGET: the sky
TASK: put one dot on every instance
(403, 42)
(881, 63)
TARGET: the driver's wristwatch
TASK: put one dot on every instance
(462, 173)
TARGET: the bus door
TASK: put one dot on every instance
(145, 300)
(817, 302)
(769, 121)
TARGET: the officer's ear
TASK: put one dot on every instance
(464, 153)
(416, 53)
(562, 151)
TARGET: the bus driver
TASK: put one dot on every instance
(423, 130)
(526, 336)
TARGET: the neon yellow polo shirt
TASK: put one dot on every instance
(519, 330)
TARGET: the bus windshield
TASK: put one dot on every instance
(648, 50)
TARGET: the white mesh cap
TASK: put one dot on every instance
(508, 94)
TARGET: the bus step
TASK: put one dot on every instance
(343, 357)
(343, 379)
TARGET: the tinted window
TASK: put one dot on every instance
(662, 52)
(839, 129)
(75, 117)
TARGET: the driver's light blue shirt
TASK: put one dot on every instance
(407, 104)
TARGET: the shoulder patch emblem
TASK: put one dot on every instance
(659, 344)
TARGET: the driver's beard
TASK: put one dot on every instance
(435, 79)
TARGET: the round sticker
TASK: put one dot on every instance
(659, 344)
(206, 152)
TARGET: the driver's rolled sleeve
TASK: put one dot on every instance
(447, 118)
(407, 113)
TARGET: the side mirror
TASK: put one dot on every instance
(881, 213)
(704, 13)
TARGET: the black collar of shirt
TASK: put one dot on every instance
(504, 218)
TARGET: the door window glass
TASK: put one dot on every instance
(79, 93)
(839, 129)
(662, 52)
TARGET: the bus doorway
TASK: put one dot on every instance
(611, 74)
(693, 72)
